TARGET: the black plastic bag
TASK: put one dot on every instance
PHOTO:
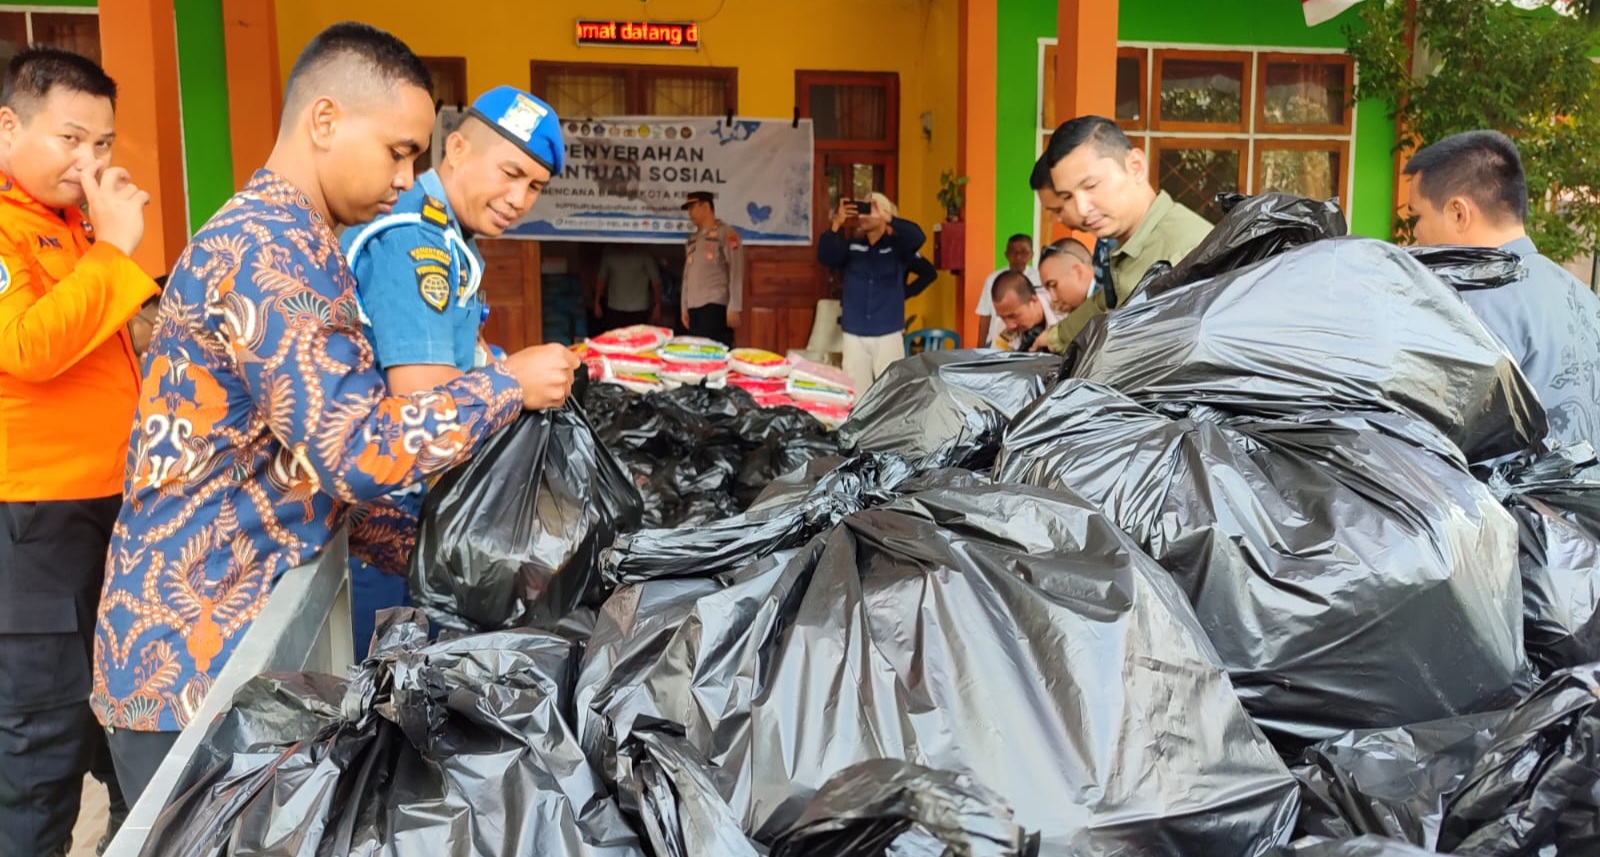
(1008, 633)
(458, 748)
(1348, 324)
(1254, 228)
(1361, 846)
(678, 800)
(1350, 571)
(780, 523)
(699, 454)
(1390, 782)
(885, 808)
(1557, 508)
(513, 537)
(680, 449)
(1466, 268)
(1537, 788)
(947, 408)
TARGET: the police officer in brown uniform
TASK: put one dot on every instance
(713, 273)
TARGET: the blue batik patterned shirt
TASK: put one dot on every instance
(263, 425)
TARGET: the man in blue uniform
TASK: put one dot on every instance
(418, 275)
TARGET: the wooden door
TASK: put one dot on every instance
(511, 285)
(780, 300)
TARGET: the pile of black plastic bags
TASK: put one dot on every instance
(1275, 562)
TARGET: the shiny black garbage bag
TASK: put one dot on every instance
(1361, 846)
(806, 504)
(699, 454)
(1390, 782)
(457, 748)
(677, 797)
(513, 537)
(1347, 324)
(1468, 268)
(947, 408)
(885, 808)
(1260, 227)
(1007, 633)
(1536, 790)
(1254, 228)
(1350, 571)
(1556, 503)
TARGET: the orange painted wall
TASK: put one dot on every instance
(980, 35)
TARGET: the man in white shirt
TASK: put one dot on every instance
(1019, 252)
(1023, 309)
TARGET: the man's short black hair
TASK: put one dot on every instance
(1483, 166)
(36, 71)
(1097, 131)
(1020, 236)
(1039, 179)
(381, 54)
(1013, 282)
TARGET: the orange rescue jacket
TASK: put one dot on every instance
(69, 380)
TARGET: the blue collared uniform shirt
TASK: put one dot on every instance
(417, 279)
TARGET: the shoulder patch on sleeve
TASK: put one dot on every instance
(5, 277)
(433, 211)
(430, 253)
(733, 238)
(433, 283)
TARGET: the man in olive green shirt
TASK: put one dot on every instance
(1103, 182)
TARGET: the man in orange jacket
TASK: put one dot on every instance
(69, 385)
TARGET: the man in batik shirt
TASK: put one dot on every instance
(262, 419)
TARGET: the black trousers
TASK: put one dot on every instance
(711, 322)
(138, 755)
(615, 318)
(52, 564)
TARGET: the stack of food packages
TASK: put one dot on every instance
(645, 359)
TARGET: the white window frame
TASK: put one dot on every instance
(1251, 135)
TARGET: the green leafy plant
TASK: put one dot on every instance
(1489, 64)
(951, 194)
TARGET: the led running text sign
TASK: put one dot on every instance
(639, 34)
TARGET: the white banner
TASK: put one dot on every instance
(626, 178)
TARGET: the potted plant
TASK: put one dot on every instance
(951, 195)
(949, 237)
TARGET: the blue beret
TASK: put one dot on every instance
(526, 121)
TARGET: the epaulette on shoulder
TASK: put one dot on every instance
(433, 211)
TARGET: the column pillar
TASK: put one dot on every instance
(255, 92)
(1086, 58)
(976, 146)
(138, 42)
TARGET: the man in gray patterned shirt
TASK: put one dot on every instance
(1469, 190)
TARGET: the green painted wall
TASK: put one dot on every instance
(203, 87)
(1225, 22)
(1021, 24)
(1222, 22)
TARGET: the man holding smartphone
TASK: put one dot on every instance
(874, 251)
(713, 272)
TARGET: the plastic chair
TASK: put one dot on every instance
(932, 339)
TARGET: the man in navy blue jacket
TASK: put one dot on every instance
(874, 253)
